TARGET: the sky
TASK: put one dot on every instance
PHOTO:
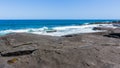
(59, 9)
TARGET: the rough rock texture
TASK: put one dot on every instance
(94, 50)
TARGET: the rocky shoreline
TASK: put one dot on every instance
(91, 50)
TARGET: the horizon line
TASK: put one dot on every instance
(60, 19)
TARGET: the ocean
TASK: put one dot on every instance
(46, 27)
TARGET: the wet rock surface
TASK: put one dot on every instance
(93, 50)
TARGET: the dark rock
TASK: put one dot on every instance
(71, 35)
(97, 28)
(113, 35)
(17, 53)
(92, 50)
(24, 49)
(51, 31)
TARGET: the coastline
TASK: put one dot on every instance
(87, 50)
(62, 30)
(49, 27)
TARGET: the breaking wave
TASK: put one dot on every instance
(58, 31)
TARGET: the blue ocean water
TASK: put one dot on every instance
(23, 24)
(11, 25)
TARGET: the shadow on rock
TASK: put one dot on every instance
(18, 53)
(113, 35)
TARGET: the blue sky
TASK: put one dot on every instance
(59, 9)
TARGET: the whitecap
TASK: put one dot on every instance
(59, 31)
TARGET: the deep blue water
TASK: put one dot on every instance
(24, 24)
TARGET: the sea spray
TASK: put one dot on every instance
(59, 31)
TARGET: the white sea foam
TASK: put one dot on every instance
(60, 31)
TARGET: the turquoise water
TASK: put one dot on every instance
(9, 26)
(23, 24)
